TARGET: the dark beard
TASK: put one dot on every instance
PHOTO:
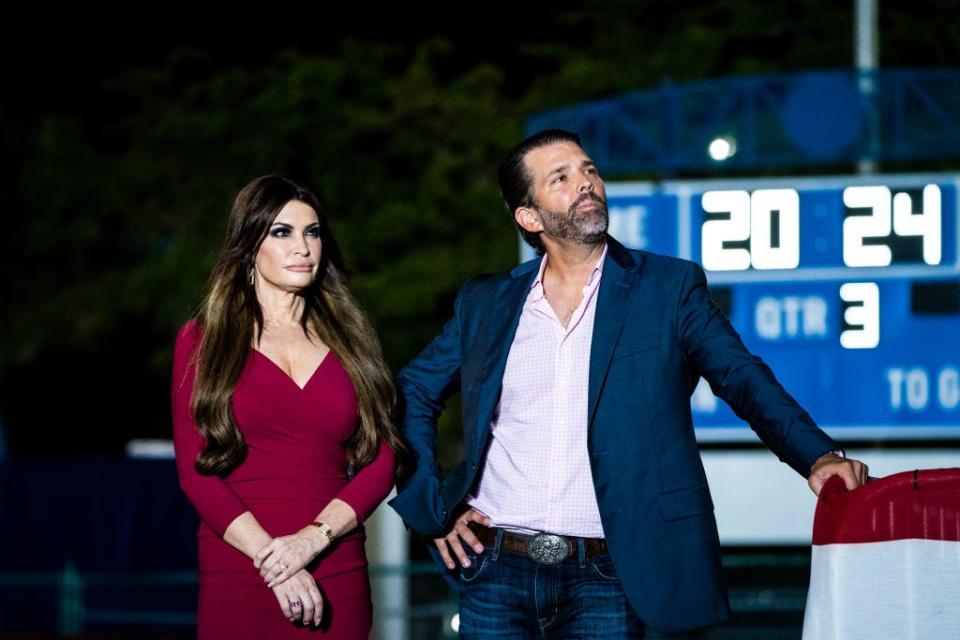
(583, 227)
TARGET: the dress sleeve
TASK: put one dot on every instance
(367, 489)
(213, 499)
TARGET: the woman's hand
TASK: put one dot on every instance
(286, 555)
(300, 599)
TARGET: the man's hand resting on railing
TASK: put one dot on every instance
(853, 472)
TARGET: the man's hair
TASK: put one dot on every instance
(516, 183)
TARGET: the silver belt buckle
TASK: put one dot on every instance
(548, 548)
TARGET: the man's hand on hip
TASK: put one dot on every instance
(853, 472)
(458, 534)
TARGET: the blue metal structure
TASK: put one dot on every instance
(817, 118)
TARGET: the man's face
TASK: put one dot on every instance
(569, 200)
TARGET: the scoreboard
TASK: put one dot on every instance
(848, 287)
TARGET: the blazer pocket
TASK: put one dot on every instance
(628, 350)
(686, 502)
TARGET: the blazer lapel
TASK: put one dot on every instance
(495, 338)
(620, 273)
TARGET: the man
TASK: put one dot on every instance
(581, 508)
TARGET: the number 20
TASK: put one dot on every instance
(751, 217)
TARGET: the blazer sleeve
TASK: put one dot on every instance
(743, 380)
(424, 386)
(213, 498)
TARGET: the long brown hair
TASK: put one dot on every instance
(231, 313)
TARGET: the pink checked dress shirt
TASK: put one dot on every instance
(537, 474)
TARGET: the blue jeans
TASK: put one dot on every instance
(504, 596)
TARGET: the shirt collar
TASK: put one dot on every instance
(536, 289)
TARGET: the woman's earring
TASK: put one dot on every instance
(251, 273)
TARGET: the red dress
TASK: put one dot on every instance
(295, 465)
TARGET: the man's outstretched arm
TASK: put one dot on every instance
(748, 385)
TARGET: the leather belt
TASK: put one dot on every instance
(545, 548)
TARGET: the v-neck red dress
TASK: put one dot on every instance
(295, 464)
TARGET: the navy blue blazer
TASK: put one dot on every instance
(656, 331)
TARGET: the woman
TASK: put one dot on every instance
(280, 387)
